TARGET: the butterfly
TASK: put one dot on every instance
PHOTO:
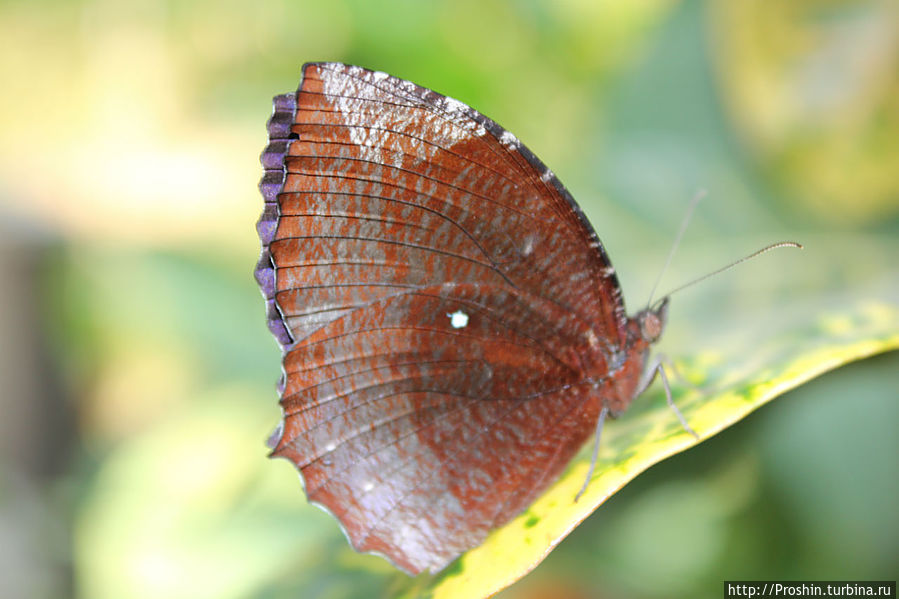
(453, 331)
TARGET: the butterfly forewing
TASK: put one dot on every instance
(439, 297)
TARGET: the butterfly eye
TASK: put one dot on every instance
(650, 326)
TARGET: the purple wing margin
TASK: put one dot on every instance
(272, 159)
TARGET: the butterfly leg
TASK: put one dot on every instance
(658, 368)
(599, 423)
(673, 369)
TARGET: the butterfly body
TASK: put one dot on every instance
(451, 324)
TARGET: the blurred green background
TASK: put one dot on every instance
(137, 372)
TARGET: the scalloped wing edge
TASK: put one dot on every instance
(284, 109)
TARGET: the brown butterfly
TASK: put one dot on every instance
(453, 331)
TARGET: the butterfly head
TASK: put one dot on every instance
(652, 321)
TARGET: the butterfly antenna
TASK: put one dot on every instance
(768, 248)
(683, 227)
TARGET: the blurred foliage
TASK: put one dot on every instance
(814, 90)
(130, 139)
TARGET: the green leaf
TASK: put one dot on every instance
(722, 390)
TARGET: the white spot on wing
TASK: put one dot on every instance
(461, 122)
(377, 135)
(458, 319)
(454, 107)
(508, 140)
(528, 247)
